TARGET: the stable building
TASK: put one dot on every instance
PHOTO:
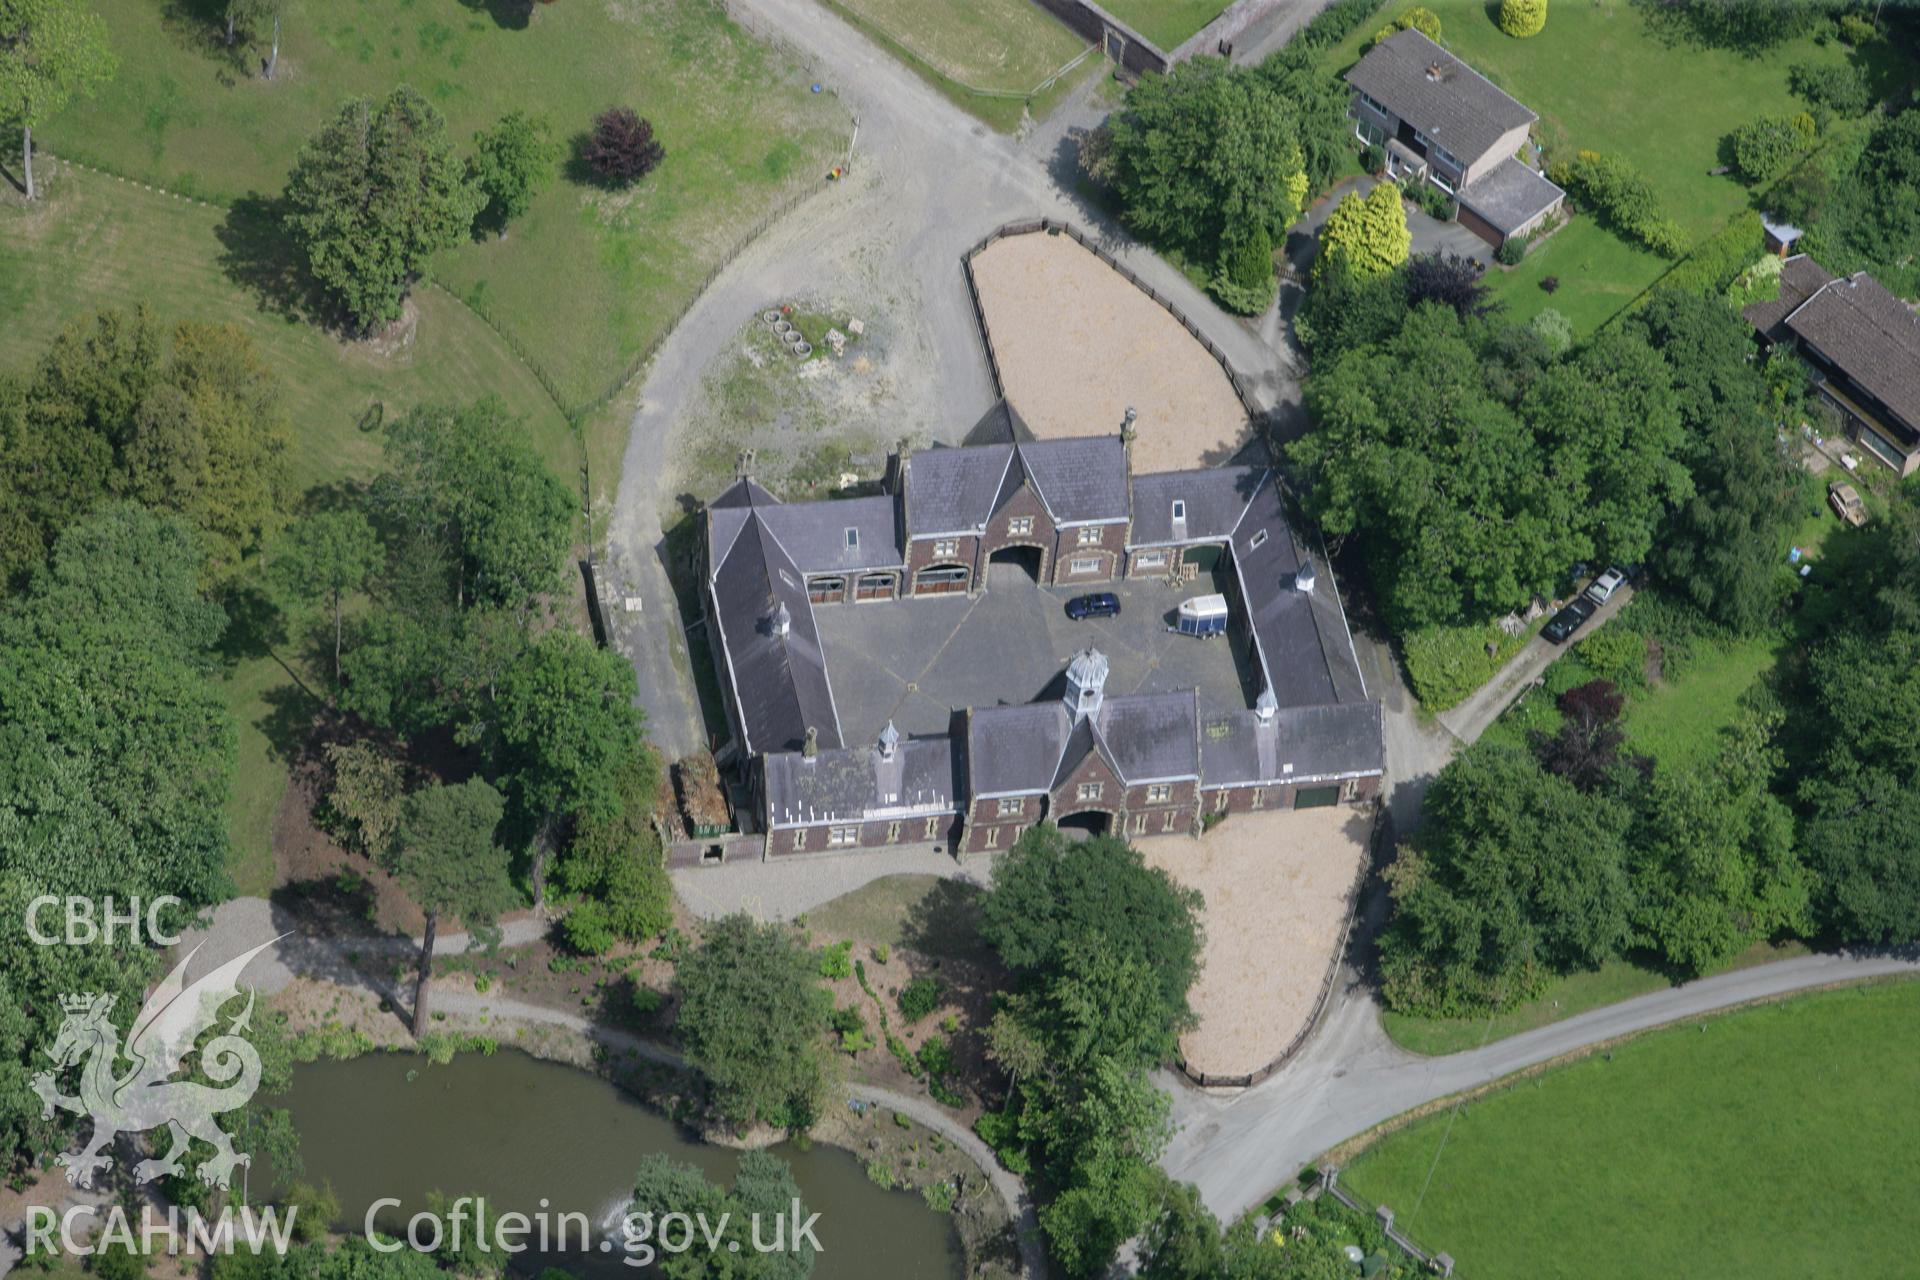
(1072, 513)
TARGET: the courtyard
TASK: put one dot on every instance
(1078, 345)
(917, 661)
(1277, 888)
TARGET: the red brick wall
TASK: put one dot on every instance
(1066, 801)
(920, 555)
(1025, 504)
(1169, 557)
(1109, 550)
(873, 835)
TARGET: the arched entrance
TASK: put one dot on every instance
(1008, 561)
(1085, 823)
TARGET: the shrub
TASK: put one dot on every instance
(1511, 250)
(1758, 283)
(1373, 158)
(1616, 652)
(1549, 284)
(939, 1196)
(1431, 201)
(1554, 329)
(1622, 199)
(936, 1057)
(1335, 23)
(621, 149)
(836, 961)
(1446, 663)
(1001, 1131)
(920, 997)
(1245, 282)
(1766, 148)
(1839, 87)
(1523, 18)
(1721, 257)
(589, 929)
(1421, 19)
(1857, 29)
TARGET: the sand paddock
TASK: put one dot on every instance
(1077, 344)
(1276, 888)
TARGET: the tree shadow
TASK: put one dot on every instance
(945, 924)
(257, 254)
(254, 625)
(289, 724)
(509, 15)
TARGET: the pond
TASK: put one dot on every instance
(532, 1135)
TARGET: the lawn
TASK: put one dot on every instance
(95, 242)
(1776, 1141)
(588, 280)
(1612, 982)
(1678, 722)
(1600, 79)
(1168, 23)
(990, 57)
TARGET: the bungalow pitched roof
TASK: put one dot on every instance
(1871, 335)
(1438, 94)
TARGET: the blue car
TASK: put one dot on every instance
(1101, 604)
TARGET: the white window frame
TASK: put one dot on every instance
(1160, 793)
(1167, 825)
(1011, 807)
(1259, 798)
(799, 838)
(1089, 791)
(1220, 801)
(1084, 564)
(993, 838)
(933, 828)
(1151, 559)
(893, 833)
(1089, 536)
(843, 837)
(1020, 526)
(946, 547)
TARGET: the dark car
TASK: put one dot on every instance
(1568, 620)
(1101, 604)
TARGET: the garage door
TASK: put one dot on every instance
(1316, 797)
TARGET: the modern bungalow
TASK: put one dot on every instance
(1440, 121)
(1863, 345)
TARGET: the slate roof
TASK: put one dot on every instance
(1461, 110)
(1300, 637)
(779, 682)
(1871, 335)
(1001, 424)
(856, 784)
(1216, 499)
(1151, 737)
(1331, 741)
(1510, 195)
(1015, 750)
(1800, 278)
(1081, 481)
(815, 533)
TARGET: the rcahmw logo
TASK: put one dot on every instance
(50, 1233)
(145, 1097)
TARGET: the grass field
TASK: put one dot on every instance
(1679, 721)
(587, 280)
(987, 56)
(1167, 23)
(1777, 1141)
(1602, 80)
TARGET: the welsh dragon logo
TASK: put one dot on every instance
(144, 1097)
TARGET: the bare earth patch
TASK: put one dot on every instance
(1277, 888)
(1077, 345)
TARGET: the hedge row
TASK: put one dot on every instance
(1617, 193)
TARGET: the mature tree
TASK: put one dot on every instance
(466, 479)
(49, 51)
(1586, 748)
(763, 1188)
(1610, 429)
(1365, 235)
(622, 148)
(617, 861)
(1515, 877)
(1712, 861)
(751, 1009)
(567, 727)
(1862, 793)
(327, 556)
(108, 413)
(1451, 281)
(373, 195)
(1872, 213)
(1460, 514)
(445, 857)
(511, 162)
(1298, 74)
(366, 795)
(1102, 1140)
(1184, 1242)
(1205, 155)
(1765, 148)
(253, 17)
(1051, 896)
